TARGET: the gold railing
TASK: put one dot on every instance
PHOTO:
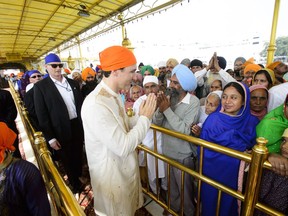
(62, 199)
(249, 199)
(64, 202)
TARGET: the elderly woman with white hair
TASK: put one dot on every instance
(212, 101)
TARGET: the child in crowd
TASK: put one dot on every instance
(211, 103)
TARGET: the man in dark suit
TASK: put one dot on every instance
(58, 104)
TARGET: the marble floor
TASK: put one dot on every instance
(27, 152)
(152, 207)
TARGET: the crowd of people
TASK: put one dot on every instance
(84, 114)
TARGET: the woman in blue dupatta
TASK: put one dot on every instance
(232, 126)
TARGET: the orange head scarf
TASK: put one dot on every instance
(7, 138)
(67, 71)
(87, 71)
(20, 74)
(249, 61)
(116, 57)
(273, 65)
(253, 67)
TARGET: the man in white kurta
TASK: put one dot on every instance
(110, 142)
(150, 85)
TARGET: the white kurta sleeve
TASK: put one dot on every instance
(199, 76)
(105, 129)
(226, 76)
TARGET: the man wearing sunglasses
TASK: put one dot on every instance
(58, 101)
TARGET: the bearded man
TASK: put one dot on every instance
(178, 112)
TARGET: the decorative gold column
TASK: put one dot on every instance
(58, 52)
(80, 53)
(272, 45)
(70, 62)
(125, 40)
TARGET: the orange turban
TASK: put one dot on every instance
(7, 138)
(249, 61)
(19, 75)
(253, 67)
(273, 65)
(116, 57)
(67, 71)
(87, 71)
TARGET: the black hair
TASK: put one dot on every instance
(196, 62)
(229, 70)
(285, 106)
(107, 73)
(218, 80)
(238, 87)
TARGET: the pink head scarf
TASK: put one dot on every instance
(261, 114)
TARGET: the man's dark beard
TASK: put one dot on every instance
(174, 97)
(92, 83)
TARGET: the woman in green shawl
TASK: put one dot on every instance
(272, 126)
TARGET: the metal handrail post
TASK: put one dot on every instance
(259, 156)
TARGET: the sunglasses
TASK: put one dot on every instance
(36, 76)
(56, 65)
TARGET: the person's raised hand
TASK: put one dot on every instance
(279, 164)
(147, 107)
(216, 63)
(55, 145)
(211, 63)
(163, 102)
(196, 130)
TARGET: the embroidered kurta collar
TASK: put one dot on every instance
(108, 89)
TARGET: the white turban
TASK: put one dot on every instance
(150, 78)
(161, 64)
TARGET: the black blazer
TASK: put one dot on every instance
(29, 104)
(51, 109)
(8, 110)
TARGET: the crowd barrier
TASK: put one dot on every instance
(65, 203)
(249, 198)
(61, 197)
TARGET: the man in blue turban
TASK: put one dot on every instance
(178, 112)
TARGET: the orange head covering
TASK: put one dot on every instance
(249, 61)
(116, 57)
(253, 67)
(20, 74)
(67, 71)
(273, 65)
(87, 71)
(7, 138)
